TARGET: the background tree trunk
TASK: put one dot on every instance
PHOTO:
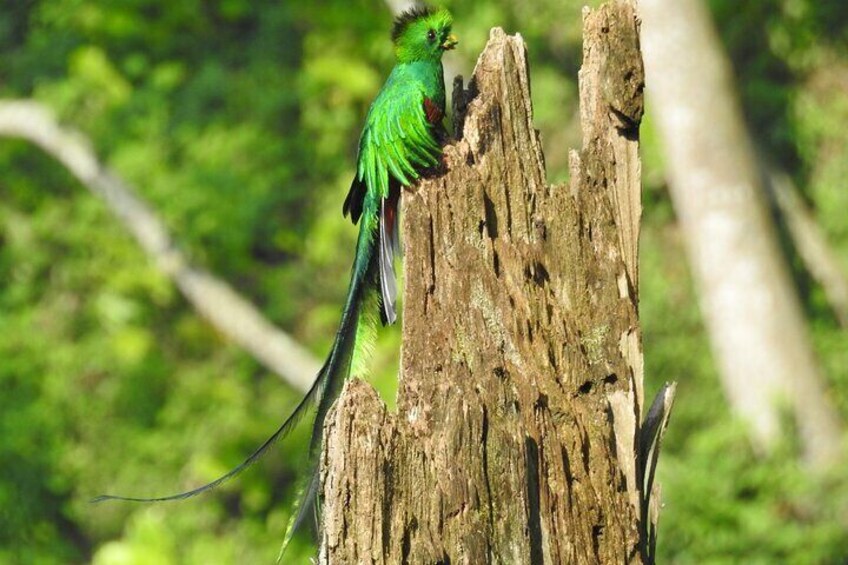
(516, 434)
(751, 308)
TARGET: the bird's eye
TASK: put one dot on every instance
(431, 35)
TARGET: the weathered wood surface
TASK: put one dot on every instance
(521, 370)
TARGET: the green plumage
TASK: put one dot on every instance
(399, 140)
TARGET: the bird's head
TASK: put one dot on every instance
(423, 34)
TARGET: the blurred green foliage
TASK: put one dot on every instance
(238, 121)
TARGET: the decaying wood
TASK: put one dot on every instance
(517, 433)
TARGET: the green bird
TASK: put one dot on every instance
(399, 141)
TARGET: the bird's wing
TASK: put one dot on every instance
(397, 142)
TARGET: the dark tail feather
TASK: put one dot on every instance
(281, 432)
(306, 501)
(354, 201)
(364, 278)
(307, 497)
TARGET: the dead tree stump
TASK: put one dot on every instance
(517, 429)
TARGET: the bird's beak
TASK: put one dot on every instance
(450, 42)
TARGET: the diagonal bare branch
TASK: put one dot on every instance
(215, 300)
(810, 242)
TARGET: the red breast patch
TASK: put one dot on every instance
(433, 112)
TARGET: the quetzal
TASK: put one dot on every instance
(399, 141)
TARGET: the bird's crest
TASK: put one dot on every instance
(423, 33)
(417, 12)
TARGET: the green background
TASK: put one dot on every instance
(238, 120)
